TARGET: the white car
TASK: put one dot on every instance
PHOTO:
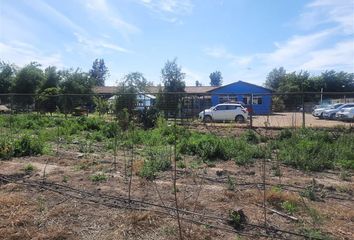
(225, 112)
(346, 115)
(331, 113)
(318, 112)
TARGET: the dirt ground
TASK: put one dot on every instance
(294, 119)
(45, 203)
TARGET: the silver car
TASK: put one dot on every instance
(331, 113)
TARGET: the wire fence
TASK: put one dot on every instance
(263, 111)
(275, 110)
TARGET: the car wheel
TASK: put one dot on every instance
(321, 116)
(332, 116)
(207, 119)
(239, 119)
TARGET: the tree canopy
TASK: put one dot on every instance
(174, 85)
(99, 72)
(215, 79)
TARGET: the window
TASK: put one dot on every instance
(221, 107)
(257, 100)
(232, 107)
(246, 99)
(227, 98)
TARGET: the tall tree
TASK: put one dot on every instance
(51, 78)
(198, 84)
(7, 76)
(215, 79)
(173, 80)
(28, 81)
(99, 72)
(275, 78)
(74, 82)
(132, 84)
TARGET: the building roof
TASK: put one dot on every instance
(153, 89)
(188, 89)
(241, 82)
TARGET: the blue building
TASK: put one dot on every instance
(244, 92)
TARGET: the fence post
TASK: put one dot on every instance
(303, 110)
(251, 113)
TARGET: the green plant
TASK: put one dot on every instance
(98, 177)
(231, 183)
(312, 233)
(28, 168)
(181, 164)
(289, 207)
(157, 159)
(65, 179)
(28, 145)
(310, 193)
(237, 218)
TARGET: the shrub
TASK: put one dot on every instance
(251, 137)
(29, 168)
(316, 150)
(98, 177)
(28, 145)
(6, 149)
(157, 159)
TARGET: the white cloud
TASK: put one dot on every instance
(53, 13)
(98, 46)
(331, 47)
(101, 9)
(296, 49)
(169, 6)
(169, 10)
(222, 53)
(340, 56)
(22, 53)
(192, 77)
(319, 12)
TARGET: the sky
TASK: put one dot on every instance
(243, 39)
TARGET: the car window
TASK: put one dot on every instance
(348, 106)
(337, 106)
(232, 107)
(221, 107)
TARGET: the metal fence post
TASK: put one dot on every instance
(251, 112)
(303, 110)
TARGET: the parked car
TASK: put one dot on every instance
(318, 112)
(331, 113)
(225, 112)
(347, 115)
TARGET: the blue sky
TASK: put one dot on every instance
(243, 39)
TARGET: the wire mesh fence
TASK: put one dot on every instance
(100, 147)
(276, 110)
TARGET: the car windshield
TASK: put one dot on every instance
(335, 106)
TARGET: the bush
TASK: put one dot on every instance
(6, 149)
(98, 177)
(157, 159)
(27, 146)
(315, 150)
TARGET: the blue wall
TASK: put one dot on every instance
(239, 90)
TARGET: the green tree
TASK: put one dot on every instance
(99, 72)
(132, 84)
(333, 81)
(51, 78)
(48, 100)
(101, 104)
(173, 80)
(275, 78)
(7, 76)
(76, 87)
(215, 79)
(27, 81)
